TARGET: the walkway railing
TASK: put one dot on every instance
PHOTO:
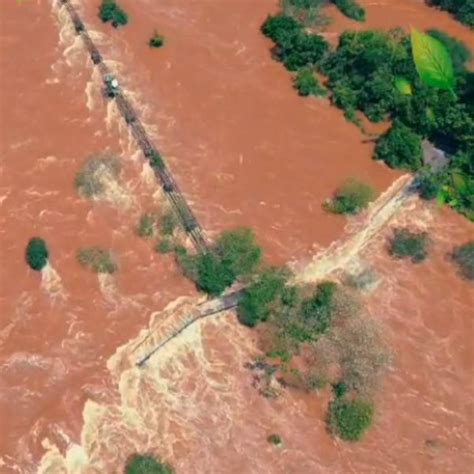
(162, 172)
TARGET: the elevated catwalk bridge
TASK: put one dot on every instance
(170, 187)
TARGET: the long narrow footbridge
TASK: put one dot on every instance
(162, 172)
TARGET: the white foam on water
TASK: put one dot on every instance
(51, 282)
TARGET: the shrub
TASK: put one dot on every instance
(36, 253)
(110, 11)
(351, 198)
(156, 41)
(351, 9)
(349, 419)
(427, 185)
(254, 305)
(400, 147)
(407, 244)
(187, 263)
(274, 439)
(165, 246)
(307, 12)
(307, 84)
(463, 256)
(97, 259)
(146, 226)
(146, 464)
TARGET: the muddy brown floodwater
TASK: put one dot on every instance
(247, 151)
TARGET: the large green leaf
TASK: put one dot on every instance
(432, 61)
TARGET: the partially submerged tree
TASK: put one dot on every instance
(463, 256)
(408, 244)
(97, 259)
(349, 419)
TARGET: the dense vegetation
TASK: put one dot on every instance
(351, 198)
(146, 464)
(351, 9)
(36, 253)
(463, 256)
(110, 11)
(235, 255)
(97, 259)
(407, 244)
(463, 10)
(349, 419)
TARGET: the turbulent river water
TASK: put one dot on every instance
(247, 151)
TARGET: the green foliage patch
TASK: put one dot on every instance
(463, 10)
(156, 41)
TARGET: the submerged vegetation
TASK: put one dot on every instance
(110, 11)
(351, 198)
(351, 9)
(146, 464)
(91, 180)
(37, 253)
(463, 10)
(97, 259)
(407, 244)
(463, 256)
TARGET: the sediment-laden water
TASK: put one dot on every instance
(247, 151)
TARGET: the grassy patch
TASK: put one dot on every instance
(146, 226)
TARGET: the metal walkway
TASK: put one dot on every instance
(170, 187)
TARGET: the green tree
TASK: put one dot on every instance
(110, 11)
(37, 253)
(400, 148)
(146, 464)
(463, 10)
(213, 275)
(316, 310)
(350, 419)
